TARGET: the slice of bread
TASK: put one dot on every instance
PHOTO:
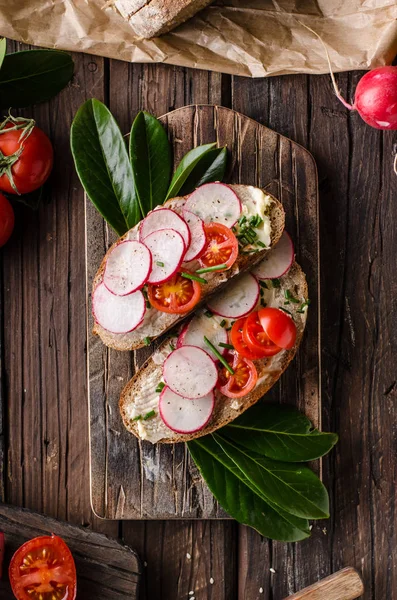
(140, 396)
(150, 18)
(155, 322)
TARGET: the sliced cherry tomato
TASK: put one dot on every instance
(27, 157)
(178, 295)
(255, 337)
(221, 246)
(6, 220)
(244, 379)
(236, 338)
(43, 569)
(279, 327)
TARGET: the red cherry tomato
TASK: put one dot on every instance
(178, 295)
(43, 569)
(236, 338)
(256, 338)
(244, 379)
(33, 155)
(279, 327)
(6, 220)
(221, 246)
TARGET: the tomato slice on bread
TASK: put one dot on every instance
(236, 339)
(256, 338)
(244, 379)
(178, 295)
(221, 247)
(43, 569)
(278, 326)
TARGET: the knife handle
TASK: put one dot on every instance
(343, 585)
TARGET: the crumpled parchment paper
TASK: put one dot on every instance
(242, 37)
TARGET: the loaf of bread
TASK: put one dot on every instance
(150, 18)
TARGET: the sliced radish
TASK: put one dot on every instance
(117, 314)
(197, 236)
(201, 325)
(167, 248)
(185, 415)
(238, 298)
(215, 202)
(277, 261)
(190, 372)
(127, 268)
(164, 218)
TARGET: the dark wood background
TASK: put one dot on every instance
(44, 432)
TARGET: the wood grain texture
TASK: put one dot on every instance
(105, 568)
(133, 479)
(343, 585)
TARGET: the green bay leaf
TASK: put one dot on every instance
(185, 168)
(211, 167)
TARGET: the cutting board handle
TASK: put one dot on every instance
(343, 585)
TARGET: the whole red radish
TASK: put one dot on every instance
(376, 98)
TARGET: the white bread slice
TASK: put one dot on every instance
(150, 18)
(155, 322)
(140, 397)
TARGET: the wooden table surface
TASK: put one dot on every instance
(44, 432)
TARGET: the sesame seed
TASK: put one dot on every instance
(212, 581)
(261, 590)
(188, 556)
(272, 570)
(191, 593)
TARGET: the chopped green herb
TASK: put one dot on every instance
(242, 220)
(208, 314)
(160, 387)
(262, 292)
(149, 415)
(276, 283)
(302, 307)
(148, 305)
(172, 347)
(261, 244)
(193, 277)
(263, 284)
(285, 310)
(263, 303)
(159, 263)
(209, 269)
(218, 355)
(137, 418)
(222, 323)
(290, 297)
(228, 346)
(147, 341)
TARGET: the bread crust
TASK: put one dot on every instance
(226, 410)
(165, 321)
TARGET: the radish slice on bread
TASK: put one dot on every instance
(215, 202)
(167, 248)
(184, 415)
(190, 372)
(238, 298)
(117, 314)
(193, 334)
(197, 236)
(164, 218)
(127, 268)
(277, 261)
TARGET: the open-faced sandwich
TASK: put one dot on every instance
(223, 359)
(177, 257)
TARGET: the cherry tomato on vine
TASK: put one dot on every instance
(6, 220)
(221, 247)
(178, 295)
(244, 379)
(26, 156)
(256, 338)
(43, 569)
(278, 326)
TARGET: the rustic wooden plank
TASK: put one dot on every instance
(106, 570)
(132, 479)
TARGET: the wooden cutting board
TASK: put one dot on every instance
(106, 570)
(136, 480)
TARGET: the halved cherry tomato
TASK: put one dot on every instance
(6, 220)
(255, 337)
(27, 159)
(43, 569)
(178, 295)
(236, 338)
(244, 379)
(279, 327)
(221, 247)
